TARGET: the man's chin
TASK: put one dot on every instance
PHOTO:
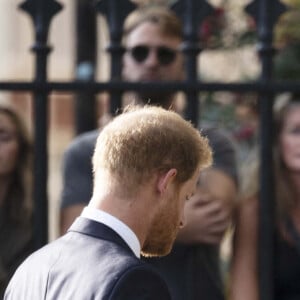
(156, 252)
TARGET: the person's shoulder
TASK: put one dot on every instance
(217, 136)
(30, 267)
(82, 144)
(224, 150)
(85, 139)
(140, 281)
(42, 253)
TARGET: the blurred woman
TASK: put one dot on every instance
(15, 194)
(286, 155)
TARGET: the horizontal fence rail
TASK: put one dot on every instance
(121, 86)
(192, 13)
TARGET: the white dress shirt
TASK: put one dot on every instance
(118, 226)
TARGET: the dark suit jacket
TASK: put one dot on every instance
(91, 261)
(192, 272)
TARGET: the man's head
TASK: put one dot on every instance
(151, 146)
(146, 140)
(152, 38)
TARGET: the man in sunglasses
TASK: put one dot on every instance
(152, 41)
(152, 38)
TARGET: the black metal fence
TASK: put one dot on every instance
(192, 12)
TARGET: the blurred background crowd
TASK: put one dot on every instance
(228, 38)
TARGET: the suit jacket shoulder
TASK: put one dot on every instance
(140, 282)
(91, 261)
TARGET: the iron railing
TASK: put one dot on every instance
(192, 12)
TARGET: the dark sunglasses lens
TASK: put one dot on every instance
(165, 55)
(140, 53)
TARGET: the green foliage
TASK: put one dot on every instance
(287, 62)
(287, 41)
(215, 113)
(287, 30)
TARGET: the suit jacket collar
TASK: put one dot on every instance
(97, 230)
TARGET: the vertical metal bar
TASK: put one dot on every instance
(193, 13)
(85, 104)
(266, 13)
(40, 153)
(191, 50)
(267, 203)
(115, 12)
(40, 142)
(41, 13)
(116, 51)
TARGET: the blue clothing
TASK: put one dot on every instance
(77, 170)
(91, 261)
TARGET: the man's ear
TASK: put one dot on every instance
(165, 179)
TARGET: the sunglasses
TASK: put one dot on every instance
(165, 55)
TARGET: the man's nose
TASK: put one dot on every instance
(152, 59)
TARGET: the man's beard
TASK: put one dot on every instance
(159, 98)
(163, 233)
(159, 244)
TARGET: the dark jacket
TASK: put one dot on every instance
(192, 272)
(90, 261)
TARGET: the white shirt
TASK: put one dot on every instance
(118, 226)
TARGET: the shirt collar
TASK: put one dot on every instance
(118, 226)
